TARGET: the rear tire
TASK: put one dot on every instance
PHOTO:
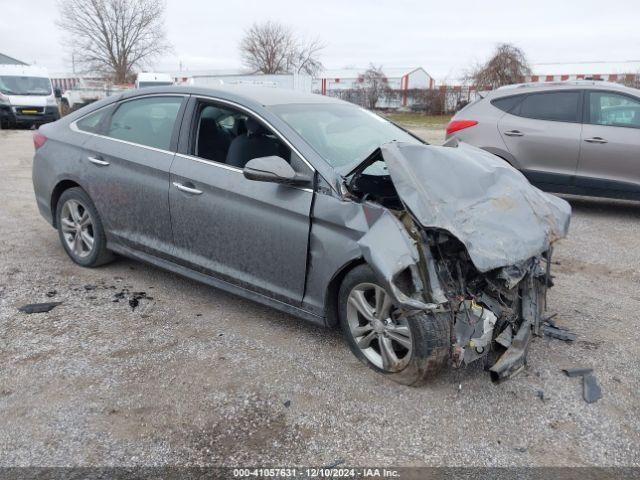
(80, 229)
(420, 343)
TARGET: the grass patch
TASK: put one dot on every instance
(414, 119)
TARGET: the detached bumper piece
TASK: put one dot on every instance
(514, 359)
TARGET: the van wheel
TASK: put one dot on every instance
(80, 229)
(409, 349)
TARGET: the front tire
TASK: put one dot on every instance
(409, 349)
(80, 229)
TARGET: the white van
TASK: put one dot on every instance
(150, 79)
(26, 96)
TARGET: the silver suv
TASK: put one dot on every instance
(580, 137)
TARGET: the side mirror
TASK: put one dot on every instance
(273, 169)
(57, 93)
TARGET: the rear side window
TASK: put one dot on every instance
(91, 123)
(555, 106)
(506, 104)
(146, 121)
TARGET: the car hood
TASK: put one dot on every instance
(480, 199)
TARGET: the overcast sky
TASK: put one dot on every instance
(445, 37)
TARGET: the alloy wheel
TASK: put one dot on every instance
(382, 337)
(77, 228)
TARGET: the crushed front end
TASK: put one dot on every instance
(492, 313)
(462, 233)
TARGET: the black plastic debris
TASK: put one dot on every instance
(540, 394)
(559, 333)
(133, 297)
(39, 307)
(287, 403)
(591, 391)
(89, 287)
(577, 372)
(51, 293)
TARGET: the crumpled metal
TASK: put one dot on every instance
(477, 197)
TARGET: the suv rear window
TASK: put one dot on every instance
(555, 106)
(506, 104)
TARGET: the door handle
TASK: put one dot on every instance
(514, 133)
(184, 188)
(98, 161)
(595, 140)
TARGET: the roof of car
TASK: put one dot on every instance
(263, 95)
(568, 84)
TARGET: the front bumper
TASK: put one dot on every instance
(19, 115)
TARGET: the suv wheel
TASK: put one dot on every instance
(80, 229)
(408, 349)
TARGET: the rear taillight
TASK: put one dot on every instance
(38, 139)
(457, 125)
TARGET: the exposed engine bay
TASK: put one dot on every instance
(434, 254)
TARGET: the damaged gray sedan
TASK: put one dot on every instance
(425, 256)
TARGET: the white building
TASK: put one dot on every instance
(607, 71)
(290, 81)
(399, 79)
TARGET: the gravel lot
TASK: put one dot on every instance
(195, 376)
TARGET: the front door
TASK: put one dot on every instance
(610, 152)
(252, 234)
(127, 172)
(543, 134)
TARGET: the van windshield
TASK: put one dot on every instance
(15, 85)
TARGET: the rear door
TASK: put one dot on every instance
(127, 171)
(543, 134)
(610, 152)
(251, 234)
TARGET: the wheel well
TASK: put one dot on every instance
(57, 192)
(333, 291)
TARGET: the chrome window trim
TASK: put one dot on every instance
(76, 129)
(228, 167)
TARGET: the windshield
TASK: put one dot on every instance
(14, 85)
(341, 133)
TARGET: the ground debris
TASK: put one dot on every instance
(39, 307)
(591, 391)
(559, 333)
(133, 297)
(577, 372)
(51, 293)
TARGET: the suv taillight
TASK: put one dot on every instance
(38, 139)
(456, 125)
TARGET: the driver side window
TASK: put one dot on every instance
(226, 135)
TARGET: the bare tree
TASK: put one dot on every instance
(113, 37)
(271, 47)
(374, 86)
(507, 65)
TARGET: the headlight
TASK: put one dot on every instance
(51, 102)
(4, 100)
